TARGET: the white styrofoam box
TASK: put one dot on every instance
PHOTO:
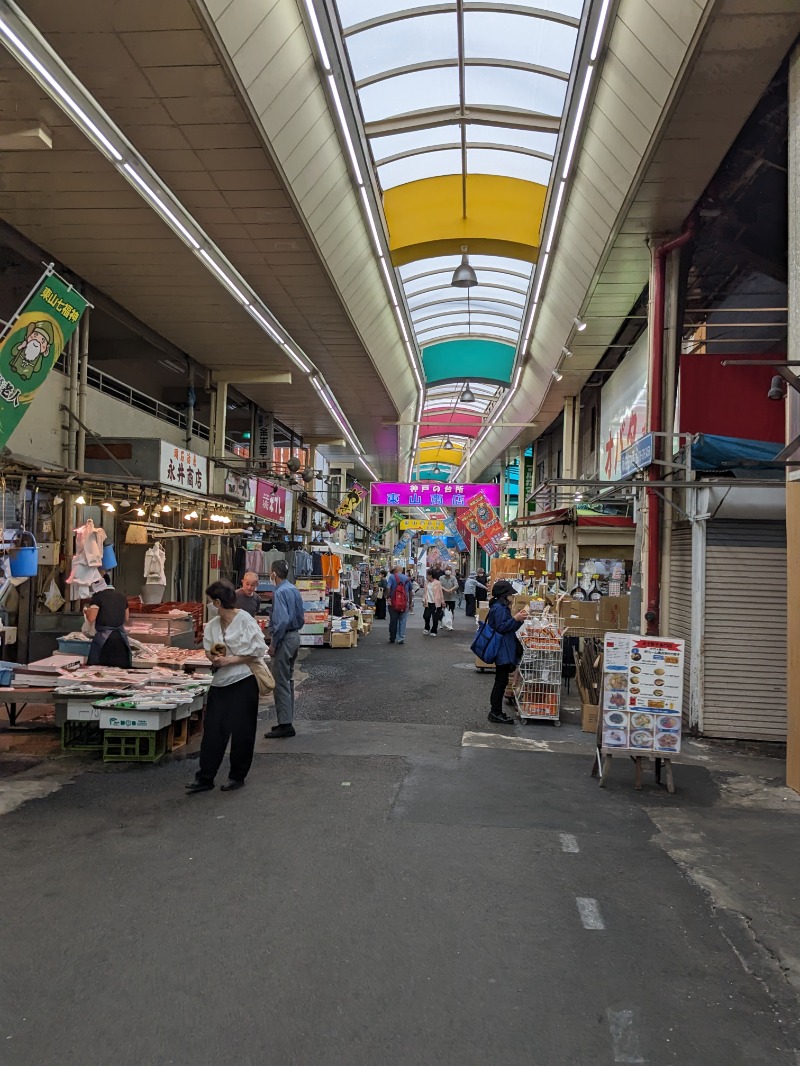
(131, 719)
(312, 640)
(183, 710)
(82, 711)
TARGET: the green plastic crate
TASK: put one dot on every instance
(132, 745)
(81, 736)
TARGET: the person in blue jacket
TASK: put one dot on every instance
(509, 653)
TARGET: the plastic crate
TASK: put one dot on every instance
(134, 745)
(74, 647)
(81, 736)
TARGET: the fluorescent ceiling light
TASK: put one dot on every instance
(169, 364)
(371, 220)
(554, 217)
(389, 280)
(345, 128)
(601, 25)
(224, 278)
(162, 207)
(323, 51)
(296, 358)
(540, 271)
(576, 122)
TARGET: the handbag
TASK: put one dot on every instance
(263, 675)
(486, 644)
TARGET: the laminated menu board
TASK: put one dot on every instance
(642, 693)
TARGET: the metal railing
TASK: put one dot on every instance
(140, 401)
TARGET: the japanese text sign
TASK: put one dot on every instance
(183, 469)
(427, 525)
(271, 502)
(430, 494)
(32, 346)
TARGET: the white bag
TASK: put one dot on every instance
(447, 618)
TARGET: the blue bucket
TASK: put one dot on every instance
(109, 557)
(24, 562)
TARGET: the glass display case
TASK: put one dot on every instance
(161, 629)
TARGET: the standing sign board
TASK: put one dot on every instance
(182, 469)
(34, 340)
(642, 694)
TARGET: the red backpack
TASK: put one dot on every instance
(399, 599)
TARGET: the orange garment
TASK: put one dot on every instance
(331, 568)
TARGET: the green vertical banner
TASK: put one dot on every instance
(32, 345)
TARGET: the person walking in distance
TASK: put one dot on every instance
(434, 604)
(232, 641)
(470, 592)
(380, 597)
(449, 583)
(247, 598)
(510, 651)
(288, 617)
(460, 593)
(400, 593)
(481, 586)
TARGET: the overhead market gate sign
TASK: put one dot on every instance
(34, 339)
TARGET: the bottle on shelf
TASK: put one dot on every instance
(579, 592)
(594, 589)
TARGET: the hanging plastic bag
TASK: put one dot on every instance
(447, 618)
(53, 600)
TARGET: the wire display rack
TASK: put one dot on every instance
(537, 690)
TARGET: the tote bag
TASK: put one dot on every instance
(486, 644)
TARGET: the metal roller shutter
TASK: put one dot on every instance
(680, 599)
(745, 632)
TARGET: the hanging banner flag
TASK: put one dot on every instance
(404, 541)
(355, 494)
(452, 531)
(33, 342)
(483, 522)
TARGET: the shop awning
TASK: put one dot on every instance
(605, 521)
(545, 518)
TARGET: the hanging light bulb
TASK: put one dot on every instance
(165, 507)
(464, 277)
(109, 506)
(140, 511)
(81, 500)
(467, 396)
(188, 517)
(436, 470)
(448, 444)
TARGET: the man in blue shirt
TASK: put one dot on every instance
(399, 595)
(288, 616)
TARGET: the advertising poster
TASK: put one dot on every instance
(482, 521)
(32, 346)
(642, 693)
(453, 531)
(352, 498)
(623, 410)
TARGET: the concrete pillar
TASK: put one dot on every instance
(570, 470)
(220, 419)
(793, 427)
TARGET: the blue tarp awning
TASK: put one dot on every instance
(735, 453)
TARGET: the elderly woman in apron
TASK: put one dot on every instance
(108, 610)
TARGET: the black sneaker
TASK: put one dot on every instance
(500, 718)
(279, 731)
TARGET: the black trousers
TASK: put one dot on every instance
(431, 616)
(470, 608)
(501, 676)
(231, 714)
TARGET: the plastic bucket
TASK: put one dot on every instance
(24, 562)
(109, 557)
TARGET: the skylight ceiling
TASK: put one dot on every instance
(461, 105)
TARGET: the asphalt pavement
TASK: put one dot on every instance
(386, 891)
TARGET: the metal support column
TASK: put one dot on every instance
(793, 428)
(220, 419)
(83, 385)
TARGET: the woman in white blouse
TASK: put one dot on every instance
(232, 641)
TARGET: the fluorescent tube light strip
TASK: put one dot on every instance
(323, 51)
(344, 128)
(163, 209)
(371, 220)
(554, 218)
(576, 123)
(540, 272)
(389, 281)
(601, 25)
(266, 325)
(295, 357)
(6, 30)
(224, 278)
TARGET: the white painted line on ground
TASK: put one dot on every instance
(624, 1038)
(590, 913)
(569, 844)
(497, 740)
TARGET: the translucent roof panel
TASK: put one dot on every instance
(409, 92)
(354, 11)
(478, 292)
(417, 167)
(428, 333)
(531, 139)
(513, 288)
(450, 262)
(398, 44)
(507, 87)
(511, 164)
(383, 147)
(572, 8)
(519, 38)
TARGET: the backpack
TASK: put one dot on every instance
(399, 600)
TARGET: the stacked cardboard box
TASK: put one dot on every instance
(315, 605)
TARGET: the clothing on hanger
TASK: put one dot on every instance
(155, 559)
(85, 577)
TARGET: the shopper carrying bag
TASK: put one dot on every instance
(497, 643)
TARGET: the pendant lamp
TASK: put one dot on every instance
(464, 277)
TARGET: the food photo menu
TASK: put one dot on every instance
(642, 693)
